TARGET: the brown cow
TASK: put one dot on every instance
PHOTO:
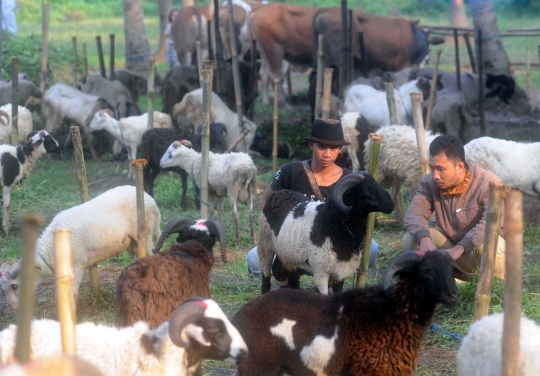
(190, 26)
(241, 9)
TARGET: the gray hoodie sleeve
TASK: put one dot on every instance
(421, 209)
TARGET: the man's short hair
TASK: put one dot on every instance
(450, 145)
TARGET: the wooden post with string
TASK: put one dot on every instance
(374, 171)
(458, 67)
(64, 289)
(482, 298)
(139, 165)
(205, 138)
(391, 102)
(85, 60)
(111, 58)
(481, 105)
(199, 58)
(100, 55)
(327, 91)
(433, 92)
(83, 193)
(320, 71)
(74, 67)
(511, 352)
(275, 139)
(528, 73)
(220, 64)
(45, 46)
(15, 101)
(420, 134)
(151, 90)
(30, 233)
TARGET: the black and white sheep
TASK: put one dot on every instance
(151, 288)
(102, 227)
(355, 131)
(197, 330)
(373, 331)
(16, 162)
(229, 175)
(320, 238)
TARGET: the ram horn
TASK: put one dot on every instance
(456, 269)
(343, 185)
(401, 261)
(188, 313)
(4, 114)
(178, 109)
(217, 229)
(187, 143)
(174, 226)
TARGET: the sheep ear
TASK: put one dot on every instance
(176, 144)
(156, 338)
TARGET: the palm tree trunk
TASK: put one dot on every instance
(188, 3)
(458, 15)
(494, 54)
(137, 48)
(165, 7)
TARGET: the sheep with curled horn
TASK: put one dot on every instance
(151, 288)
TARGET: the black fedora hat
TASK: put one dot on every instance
(327, 132)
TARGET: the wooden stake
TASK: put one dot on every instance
(205, 138)
(199, 58)
(100, 55)
(433, 93)
(351, 52)
(237, 141)
(344, 66)
(45, 46)
(151, 90)
(85, 60)
(320, 67)
(458, 68)
(64, 289)
(489, 254)
(255, 84)
(30, 233)
(289, 82)
(210, 41)
(15, 101)
(139, 165)
(374, 171)
(327, 92)
(528, 73)
(481, 107)
(220, 64)
(470, 52)
(74, 68)
(111, 58)
(511, 352)
(420, 135)
(275, 140)
(391, 102)
(364, 57)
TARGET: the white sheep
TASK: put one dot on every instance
(102, 227)
(229, 175)
(25, 124)
(197, 329)
(128, 131)
(516, 163)
(480, 353)
(399, 162)
(191, 108)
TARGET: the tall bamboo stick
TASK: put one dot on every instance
(374, 171)
(458, 67)
(199, 57)
(511, 354)
(433, 92)
(111, 57)
(350, 44)
(327, 91)
(420, 134)
(344, 66)
(491, 239)
(205, 138)
(64, 289)
(85, 60)
(74, 67)
(481, 107)
(151, 90)
(100, 55)
(289, 82)
(30, 233)
(320, 71)
(275, 139)
(45, 46)
(528, 73)
(364, 56)
(220, 64)
(15, 100)
(391, 102)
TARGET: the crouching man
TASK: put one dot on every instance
(457, 191)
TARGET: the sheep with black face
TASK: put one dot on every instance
(320, 238)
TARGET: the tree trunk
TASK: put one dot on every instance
(458, 16)
(137, 48)
(165, 7)
(494, 54)
(188, 3)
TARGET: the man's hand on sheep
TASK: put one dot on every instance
(427, 244)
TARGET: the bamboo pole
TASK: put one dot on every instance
(220, 64)
(420, 134)
(100, 55)
(205, 138)
(481, 107)
(391, 102)
(275, 139)
(30, 233)
(364, 57)
(374, 171)
(45, 46)
(151, 90)
(511, 354)
(64, 289)
(528, 73)
(254, 83)
(236, 71)
(15, 100)
(237, 141)
(320, 67)
(470, 51)
(344, 66)
(210, 41)
(139, 165)
(350, 43)
(289, 82)
(458, 67)
(327, 92)
(199, 58)
(85, 60)
(433, 92)
(111, 57)
(74, 67)
(482, 298)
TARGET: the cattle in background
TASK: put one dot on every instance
(241, 9)
(188, 27)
